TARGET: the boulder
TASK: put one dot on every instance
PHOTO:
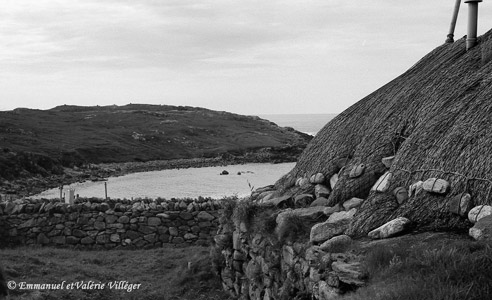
(383, 183)
(321, 190)
(321, 201)
(352, 203)
(482, 230)
(461, 204)
(327, 292)
(357, 170)
(401, 195)
(303, 200)
(479, 212)
(390, 229)
(332, 209)
(336, 244)
(333, 181)
(415, 188)
(388, 161)
(308, 213)
(204, 216)
(342, 215)
(436, 185)
(322, 232)
(317, 178)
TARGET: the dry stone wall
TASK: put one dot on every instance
(98, 224)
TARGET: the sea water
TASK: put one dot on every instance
(195, 182)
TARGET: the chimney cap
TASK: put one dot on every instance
(467, 1)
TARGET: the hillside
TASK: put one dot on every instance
(42, 142)
(435, 120)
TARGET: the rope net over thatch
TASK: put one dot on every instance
(436, 119)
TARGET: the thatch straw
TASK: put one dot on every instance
(436, 118)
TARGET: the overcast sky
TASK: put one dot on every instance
(243, 56)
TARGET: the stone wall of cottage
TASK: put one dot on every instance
(111, 224)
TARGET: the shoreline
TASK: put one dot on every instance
(26, 187)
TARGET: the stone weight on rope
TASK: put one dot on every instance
(400, 194)
(333, 181)
(357, 170)
(321, 190)
(460, 204)
(383, 183)
(479, 212)
(387, 161)
(436, 185)
(317, 178)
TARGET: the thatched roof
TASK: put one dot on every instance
(436, 118)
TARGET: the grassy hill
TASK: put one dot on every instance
(39, 143)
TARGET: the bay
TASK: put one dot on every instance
(182, 183)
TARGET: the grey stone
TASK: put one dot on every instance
(87, 240)
(351, 273)
(390, 229)
(336, 244)
(115, 238)
(326, 230)
(478, 212)
(204, 216)
(388, 161)
(333, 180)
(317, 178)
(342, 215)
(173, 231)
(43, 239)
(383, 183)
(321, 201)
(401, 195)
(461, 204)
(482, 230)
(321, 190)
(352, 203)
(357, 170)
(415, 188)
(124, 220)
(436, 185)
(153, 221)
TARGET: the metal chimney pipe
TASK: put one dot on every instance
(471, 39)
(452, 26)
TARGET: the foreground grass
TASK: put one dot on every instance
(444, 269)
(164, 273)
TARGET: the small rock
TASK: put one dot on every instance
(336, 244)
(482, 230)
(224, 172)
(357, 170)
(435, 185)
(479, 212)
(317, 178)
(390, 229)
(279, 201)
(388, 161)
(204, 216)
(352, 203)
(400, 194)
(321, 190)
(342, 215)
(333, 209)
(324, 231)
(303, 182)
(321, 201)
(333, 181)
(461, 204)
(383, 183)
